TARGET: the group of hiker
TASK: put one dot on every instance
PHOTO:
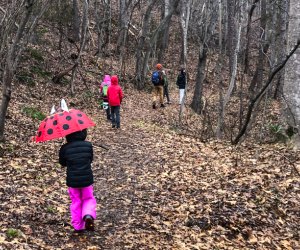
(160, 85)
(111, 93)
(77, 153)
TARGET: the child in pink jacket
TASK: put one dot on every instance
(103, 93)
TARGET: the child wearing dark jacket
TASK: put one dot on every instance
(181, 83)
(77, 156)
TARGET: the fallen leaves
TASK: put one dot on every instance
(156, 189)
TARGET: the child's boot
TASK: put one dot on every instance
(89, 222)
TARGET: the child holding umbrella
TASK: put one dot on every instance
(76, 155)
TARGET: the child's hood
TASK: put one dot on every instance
(114, 80)
(77, 136)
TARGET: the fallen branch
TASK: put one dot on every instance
(57, 78)
(100, 146)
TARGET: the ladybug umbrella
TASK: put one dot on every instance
(62, 123)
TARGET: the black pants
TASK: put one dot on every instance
(115, 116)
(166, 93)
(108, 113)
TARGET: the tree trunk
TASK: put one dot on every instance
(147, 43)
(257, 80)
(140, 46)
(85, 25)
(280, 43)
(253, 102)
(12, 59)
(248, 40)
(163, 37)
(231, 33)
(292, 73)
(6, 92)
(184, 23)
(76, 22)
(124, 19)
(102, 17)
(198, 92)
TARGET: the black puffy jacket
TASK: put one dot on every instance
(77, 155)
(181, 80)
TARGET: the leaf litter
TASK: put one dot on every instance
(155, 188)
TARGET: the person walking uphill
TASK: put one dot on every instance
(181, 83)
(158, 86)
(115, 96)
(103, 93)
(77, 156)
(166, 87)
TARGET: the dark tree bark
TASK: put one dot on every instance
(258, 75)
(12, 59)
(103, 19)
(248, 40)
(231, 32)
(163, 37)
(76, 22)
(197, 104)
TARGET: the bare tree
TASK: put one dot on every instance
(184, 24)
(263, 48)
(85, 25)
(76, 21)
(231, 32)
(253, 102)
(126, 8)
(146, 42)
(163, 37)
(281, 39)
(292, 73)
(140, 46)
(14, 44)
(231, 85)
(248, 36)
(204, 29)
(103, 20)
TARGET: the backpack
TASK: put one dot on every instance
(155, 78)
(104, 90)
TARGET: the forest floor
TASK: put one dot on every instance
(156, 188)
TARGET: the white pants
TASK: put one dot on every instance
(181, 94)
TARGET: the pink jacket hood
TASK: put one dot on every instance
(106, 79)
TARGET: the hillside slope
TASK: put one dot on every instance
(156, 188)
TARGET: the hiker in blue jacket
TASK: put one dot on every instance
(158, 86)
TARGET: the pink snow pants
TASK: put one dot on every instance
(83, 203)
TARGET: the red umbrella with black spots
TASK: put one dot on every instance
(61, 124)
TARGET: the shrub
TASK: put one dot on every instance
(277, 131)
(12, 233)
(35, 54)
(34, 113)
(26, 77)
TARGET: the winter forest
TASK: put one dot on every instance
(215, 166)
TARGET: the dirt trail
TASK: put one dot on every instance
(119, 181)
